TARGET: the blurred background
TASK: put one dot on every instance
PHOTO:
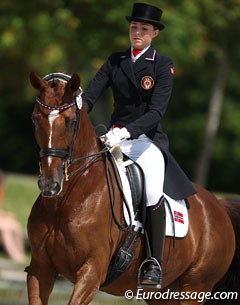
(203, 118)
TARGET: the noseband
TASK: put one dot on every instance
(65, 154)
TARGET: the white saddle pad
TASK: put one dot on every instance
(176, 219)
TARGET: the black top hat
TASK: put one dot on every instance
(142, 12)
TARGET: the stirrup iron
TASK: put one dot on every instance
(143, 265)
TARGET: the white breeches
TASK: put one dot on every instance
(151, 160)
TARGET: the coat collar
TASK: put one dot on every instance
(142, 63)
(148, 55)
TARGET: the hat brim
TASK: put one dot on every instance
(159, 25)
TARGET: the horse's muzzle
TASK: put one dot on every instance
(49, 187)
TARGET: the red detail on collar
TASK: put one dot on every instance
(117, 126)
(136, 52)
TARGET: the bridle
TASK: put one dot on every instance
(65, 154)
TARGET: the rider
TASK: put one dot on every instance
(141, 81)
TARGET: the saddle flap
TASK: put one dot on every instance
(136, 180)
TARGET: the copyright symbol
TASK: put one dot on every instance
(128, 294)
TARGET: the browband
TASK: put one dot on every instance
(59, 75)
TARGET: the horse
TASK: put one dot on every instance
(71, 228)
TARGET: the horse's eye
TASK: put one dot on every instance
(70, 123)
(35, 118)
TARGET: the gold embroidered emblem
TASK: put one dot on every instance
(147, 82)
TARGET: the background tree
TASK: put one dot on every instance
(222, 28)
(77, 36)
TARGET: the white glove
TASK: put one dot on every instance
(115, 136)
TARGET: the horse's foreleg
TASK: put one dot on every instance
(87, 283)
(40, 282)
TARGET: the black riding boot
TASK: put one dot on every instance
(156, 227)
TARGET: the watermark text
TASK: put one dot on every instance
(184, 295)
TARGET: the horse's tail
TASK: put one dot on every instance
(228, 287)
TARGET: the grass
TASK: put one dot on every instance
(20, 193)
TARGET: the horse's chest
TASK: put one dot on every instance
(59, 243)
(63, 240)
(64, 251)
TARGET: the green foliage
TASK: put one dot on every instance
(77, 36)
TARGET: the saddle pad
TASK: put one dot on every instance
(176, 219)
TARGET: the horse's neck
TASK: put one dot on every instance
(86, 142)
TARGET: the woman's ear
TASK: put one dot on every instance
(156, 32)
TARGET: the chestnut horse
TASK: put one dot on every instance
(71, 228)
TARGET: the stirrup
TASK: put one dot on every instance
(146, 262)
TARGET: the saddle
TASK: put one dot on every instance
(175, 212)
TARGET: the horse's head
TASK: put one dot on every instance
(56, 118)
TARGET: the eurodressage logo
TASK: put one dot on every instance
(199, 296)
(147, 82)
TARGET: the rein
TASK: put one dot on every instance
(73, 161)
(109, 178)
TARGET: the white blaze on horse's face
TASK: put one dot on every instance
(51, 118)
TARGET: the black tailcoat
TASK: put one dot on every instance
(141, 93)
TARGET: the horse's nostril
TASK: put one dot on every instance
(40, 183)
(49, 187)
(56, 187)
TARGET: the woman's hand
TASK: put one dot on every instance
(115, 137)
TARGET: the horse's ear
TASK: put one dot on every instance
(36, 81)
(74, 83)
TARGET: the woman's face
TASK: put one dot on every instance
(141, 34)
